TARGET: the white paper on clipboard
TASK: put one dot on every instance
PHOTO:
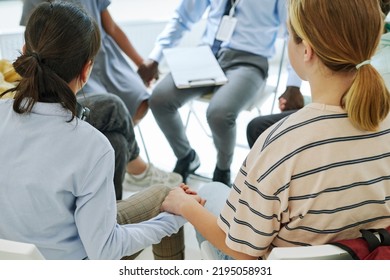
(194, 67)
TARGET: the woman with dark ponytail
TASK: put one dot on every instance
(55, 55)
(112, 116)
(57, 171)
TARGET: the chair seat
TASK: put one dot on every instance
(317, 252)
(12, 250)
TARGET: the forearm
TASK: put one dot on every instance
(186, 15)
(120, 38)
(151, 231)
(206, 224)
(170, 37)
(126, 46)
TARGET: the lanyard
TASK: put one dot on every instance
(233, 8)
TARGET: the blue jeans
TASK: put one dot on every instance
(215, 194)
(110, 116)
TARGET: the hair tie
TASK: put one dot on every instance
(36, 56)
(366, 62)
(41, 84)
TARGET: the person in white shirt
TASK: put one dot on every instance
(244, 59)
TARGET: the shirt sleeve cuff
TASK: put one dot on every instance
(178, 220)
(156, 54)
(293, 79)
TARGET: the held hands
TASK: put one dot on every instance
(148, 71)
(291, 99)
(179, 197)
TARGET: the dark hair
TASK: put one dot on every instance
(60, 38)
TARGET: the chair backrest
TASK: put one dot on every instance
(12, 250)
(318, 252)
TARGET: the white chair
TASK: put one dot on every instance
(318, 252)
(12, 250)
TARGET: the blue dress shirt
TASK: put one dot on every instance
(259, 23)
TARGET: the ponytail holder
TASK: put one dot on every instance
(36, 56)
(41, 84)
(366, 62)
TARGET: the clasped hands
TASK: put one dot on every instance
(148, 71)
(179, 197)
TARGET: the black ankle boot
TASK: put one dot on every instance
(222, 176)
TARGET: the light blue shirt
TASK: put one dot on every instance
(258, 26)
(57, 188)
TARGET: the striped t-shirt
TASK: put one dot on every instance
(311, 178)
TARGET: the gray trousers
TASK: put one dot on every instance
(110, 116)
(246, 73)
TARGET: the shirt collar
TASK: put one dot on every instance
(51, 109)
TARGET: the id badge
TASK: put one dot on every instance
(226, 28)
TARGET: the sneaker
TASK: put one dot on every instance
(153, 176)
(222, 176)
(187, 165)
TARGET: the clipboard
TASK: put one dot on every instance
(194, 67)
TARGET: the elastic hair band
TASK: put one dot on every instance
(36, 56)
(368, 61)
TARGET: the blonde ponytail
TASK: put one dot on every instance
(367, 102)
(359, 26)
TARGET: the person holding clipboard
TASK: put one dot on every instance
(241, 34)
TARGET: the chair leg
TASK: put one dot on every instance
(279, 73)
(143, 143)
(188, 115)
(193, 111)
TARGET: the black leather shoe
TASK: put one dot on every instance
(187, 165)
(222, 176)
